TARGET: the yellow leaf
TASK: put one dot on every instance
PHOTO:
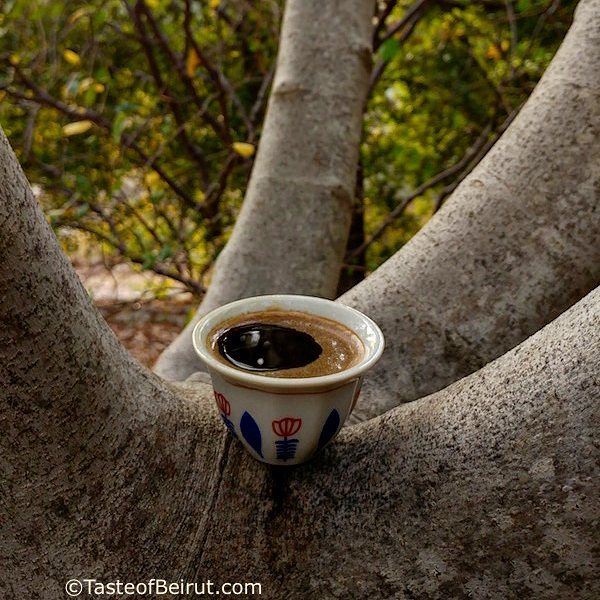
(80, 12)
(493, 52)
(76, 127)
(71, 57)
(2, 95)
(15, 59)
(199, 196)
(98, 88)
(151, 179)
(191, 63)
(153, 3)
(214, 4)
(505, 45)
(85, 83)
(243, 149)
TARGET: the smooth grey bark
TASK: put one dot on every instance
(486, 489)
(85, 432)
(291, 233)
(515, 245)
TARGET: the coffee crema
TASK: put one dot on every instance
(280, 343)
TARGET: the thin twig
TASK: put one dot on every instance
(407, 27)
(178, 65)
(496, 88)
(549, 10)
(165, 92)
(514, 40)
(77, 112)
(191, 284)
(381, 20)
(261, 96)
(447, 190)
(419, 191)
(217, 187)
(401, 23)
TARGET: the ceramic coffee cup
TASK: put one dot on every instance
(284, 421)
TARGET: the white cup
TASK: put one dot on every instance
(280, 420)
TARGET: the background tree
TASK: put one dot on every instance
(138, 120)
(487, 487)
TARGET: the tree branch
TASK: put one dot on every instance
(381, 22)
(407, 18)
(405, 26)
(165, 92)
(471, 152)
(221, 130)
(77, 112)
(491, 250)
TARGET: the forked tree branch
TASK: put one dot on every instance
(118, 473)
(108, 471)
(485, 272)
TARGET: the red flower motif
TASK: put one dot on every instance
(222, 403)
(287, 427)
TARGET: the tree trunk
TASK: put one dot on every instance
(513, 247)
(485, 489)
(353, 272)
(291, 233)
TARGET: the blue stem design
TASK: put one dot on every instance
(286, 448)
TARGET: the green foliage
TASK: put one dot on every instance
(457, 73)
(87, 56)
(150, 157)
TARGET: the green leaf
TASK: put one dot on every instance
(156, 196)
(149, 260)
(82, 210)
(89, 97)
(100, 17)
(118, 126)
(389, 49)
(164, 253)
(102, 75)
(83, 183)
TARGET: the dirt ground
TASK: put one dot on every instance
(145, 325)
(146, 328)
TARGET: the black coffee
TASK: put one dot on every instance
(280, 343)
(267, 347)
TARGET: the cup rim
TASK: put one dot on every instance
(211, 319)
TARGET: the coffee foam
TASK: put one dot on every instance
(342, 348)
